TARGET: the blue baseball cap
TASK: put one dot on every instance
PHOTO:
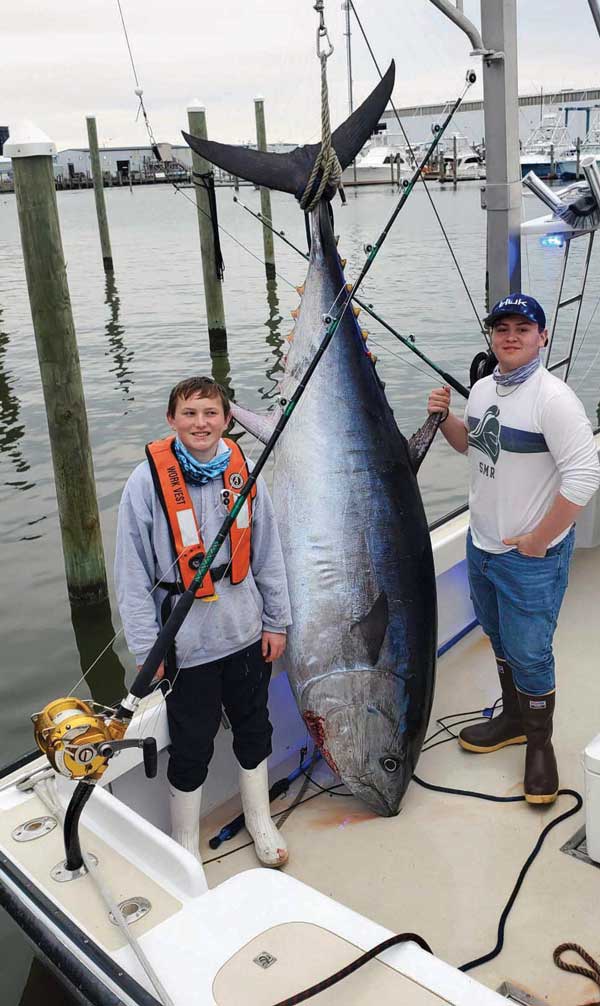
(517, 303)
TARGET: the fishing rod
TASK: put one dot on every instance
(100, 736)
(367, 308)
(167, 634)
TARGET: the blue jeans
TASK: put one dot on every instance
(517, 599)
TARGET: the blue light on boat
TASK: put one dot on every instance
(552, 241)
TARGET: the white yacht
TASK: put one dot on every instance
(379, 163)
(567, 167)
(470, 165)
(546, 147)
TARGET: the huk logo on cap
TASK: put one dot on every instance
(518, 303)
(511, 302)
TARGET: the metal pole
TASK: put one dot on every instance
(265, 195)
(458, 17)
(59, 365)
(454, 161)
(503, 168)
(99, 193)
(578, 149)
(497, 44)
(213, 291)
(348, 34)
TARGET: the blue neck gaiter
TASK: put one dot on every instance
(517, 376)
(198, 473)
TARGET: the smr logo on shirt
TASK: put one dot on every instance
(486, 435)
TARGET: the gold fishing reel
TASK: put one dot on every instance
(78, 741)
(79, 738)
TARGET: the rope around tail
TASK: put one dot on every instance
(327, 160)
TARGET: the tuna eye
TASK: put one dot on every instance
(389, 764)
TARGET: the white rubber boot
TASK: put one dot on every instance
(185, 818)
(269, 843)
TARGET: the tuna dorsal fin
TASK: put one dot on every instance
(372, 628)
(260, 427)
(421, 441)
(290, 172)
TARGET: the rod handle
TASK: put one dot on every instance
(150, 754)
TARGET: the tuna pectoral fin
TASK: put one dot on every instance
(290, 172)
(421, 441)
(260, 427)
(372, 628)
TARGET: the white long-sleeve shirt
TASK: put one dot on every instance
(527, 443)
(144, 555)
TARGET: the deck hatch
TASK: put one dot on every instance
(576, 846)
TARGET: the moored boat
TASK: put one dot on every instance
(546, 147)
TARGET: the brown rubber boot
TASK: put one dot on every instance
(541, 772)
(507, 728)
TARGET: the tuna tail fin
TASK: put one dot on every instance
(260, 427)
(290, 172)
(421, 441)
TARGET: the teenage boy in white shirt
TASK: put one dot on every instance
(533, 467)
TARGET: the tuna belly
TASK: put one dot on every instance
(358, 720)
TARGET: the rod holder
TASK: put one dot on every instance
(592, 176)
(542, 191)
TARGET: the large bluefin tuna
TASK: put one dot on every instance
(361, 651)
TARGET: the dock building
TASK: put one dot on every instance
(574, 106)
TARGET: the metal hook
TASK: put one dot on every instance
(322, 33)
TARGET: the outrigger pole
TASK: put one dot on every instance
(367, 308)
(166, 636)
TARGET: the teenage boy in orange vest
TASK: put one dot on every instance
(172, 507)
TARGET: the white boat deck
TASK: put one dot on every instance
(446, 865)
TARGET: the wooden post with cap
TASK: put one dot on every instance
(99, 193)
(265, 195)
(31, 152)
(213, 288)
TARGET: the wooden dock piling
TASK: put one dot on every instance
(99, 193)
(59, 365)
(213, 289)
(454, 161)
(265, 195)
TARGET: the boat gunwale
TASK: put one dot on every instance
(62, 954)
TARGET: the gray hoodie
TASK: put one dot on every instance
(144, 554)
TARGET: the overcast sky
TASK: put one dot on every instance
(63, 62)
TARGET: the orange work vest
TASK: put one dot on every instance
(185, 534)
